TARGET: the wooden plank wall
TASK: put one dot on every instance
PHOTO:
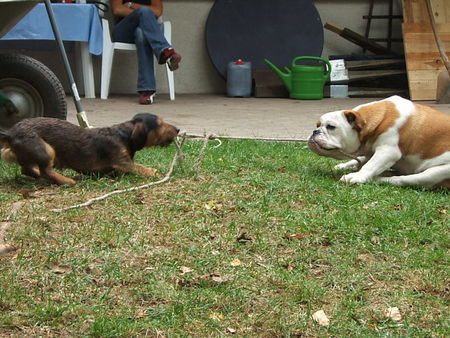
(423, 62)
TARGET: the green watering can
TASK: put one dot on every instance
(304, 81)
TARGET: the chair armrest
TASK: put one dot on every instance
(167, 30)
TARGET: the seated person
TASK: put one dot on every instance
(136, 22)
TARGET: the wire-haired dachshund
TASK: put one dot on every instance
(40, 144)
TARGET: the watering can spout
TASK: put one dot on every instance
(285, 77)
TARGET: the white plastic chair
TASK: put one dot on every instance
(108, 57)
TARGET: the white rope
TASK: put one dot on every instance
(199, 158)
(269, 139)
(167, 177)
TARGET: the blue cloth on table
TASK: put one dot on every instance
(76, 22)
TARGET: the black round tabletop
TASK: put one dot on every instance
(252, 30)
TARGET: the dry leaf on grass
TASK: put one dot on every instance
(26, 193)
(321, 318)
(294, 236)
(375, 240)
(231, 330)
(149, 269)
(61, 269)
(5, 224)
(244, 237)
(214, 205)
(236, 262)
(140, 313)
(15, 208)
(7, 248)
(185, 270)
(370, 205)
(366, 258)
(219, 279)
(289, 267)
(216, 316)
(216, 277)
(92, 267)
(393, 313)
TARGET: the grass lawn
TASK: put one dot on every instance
(263, 238)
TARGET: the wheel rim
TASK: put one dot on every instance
(25, 97)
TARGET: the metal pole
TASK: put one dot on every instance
(81, 115)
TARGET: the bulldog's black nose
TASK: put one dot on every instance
(315, 132)
(178, 130)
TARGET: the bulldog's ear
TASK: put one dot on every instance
(139, 135)
(350, 116)
(354, 119)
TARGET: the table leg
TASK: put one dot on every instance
(87, 69)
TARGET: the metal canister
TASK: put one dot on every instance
(239, 79)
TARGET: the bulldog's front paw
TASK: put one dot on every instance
(350, 165)
(355, 178)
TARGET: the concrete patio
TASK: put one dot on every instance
(221, 115)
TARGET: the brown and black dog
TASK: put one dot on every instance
(40, 144)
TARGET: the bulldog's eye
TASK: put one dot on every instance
(330, 127)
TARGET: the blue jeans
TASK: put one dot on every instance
(142, 28)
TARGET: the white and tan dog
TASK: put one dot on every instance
(392, 134)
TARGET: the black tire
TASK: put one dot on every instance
(32, 87)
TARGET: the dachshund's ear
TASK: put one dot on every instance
(139, 135)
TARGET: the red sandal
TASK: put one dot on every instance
(170, 57)
(146, 97)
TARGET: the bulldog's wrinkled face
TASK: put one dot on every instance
(334, 134)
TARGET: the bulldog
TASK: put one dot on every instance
(392, 140)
